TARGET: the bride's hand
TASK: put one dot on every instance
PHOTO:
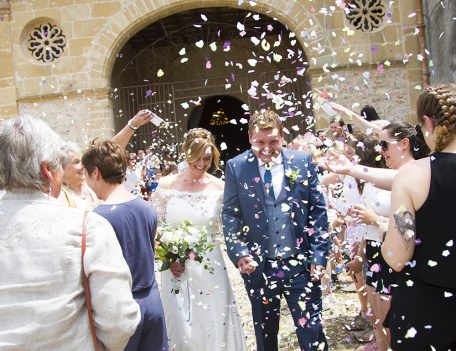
(177, 269)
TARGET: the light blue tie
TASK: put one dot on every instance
(268, 180)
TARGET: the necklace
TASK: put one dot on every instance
(82, 195)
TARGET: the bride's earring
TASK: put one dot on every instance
(49, 191)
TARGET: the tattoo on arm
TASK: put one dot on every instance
(405, 224)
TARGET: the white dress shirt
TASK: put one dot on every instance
(277, 173)
(42, 303)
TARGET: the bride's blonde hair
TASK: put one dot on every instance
(196, 142)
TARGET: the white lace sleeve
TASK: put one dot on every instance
(159, 200)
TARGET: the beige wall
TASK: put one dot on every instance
(8, 105)
(75, 86)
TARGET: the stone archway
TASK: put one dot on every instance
(108, 40)
(280, 84)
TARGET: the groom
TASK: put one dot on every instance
(275, 228)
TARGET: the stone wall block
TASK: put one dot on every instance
(6, 60)
(88, 28)
(105, 9)
(77, 47)
(76, 13)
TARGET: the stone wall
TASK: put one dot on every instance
(8, 105)
(74, 87)
(387, 91)
(441, 39)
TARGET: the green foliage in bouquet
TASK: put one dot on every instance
(181, 243)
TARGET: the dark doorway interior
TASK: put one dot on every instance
(224, 117)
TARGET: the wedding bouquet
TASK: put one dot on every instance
(181, 243)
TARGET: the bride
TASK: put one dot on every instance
(203, 315)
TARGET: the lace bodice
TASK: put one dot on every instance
(202, 208)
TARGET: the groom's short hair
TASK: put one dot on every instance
(265, 119)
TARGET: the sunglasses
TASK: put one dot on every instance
(384, 144)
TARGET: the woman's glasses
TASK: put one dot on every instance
(384, 144)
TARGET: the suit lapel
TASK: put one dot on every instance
(254, 174)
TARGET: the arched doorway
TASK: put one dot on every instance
(177, 64)
(226, 117)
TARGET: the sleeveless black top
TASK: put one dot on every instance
(435, 251)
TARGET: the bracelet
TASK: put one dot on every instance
(131, 125)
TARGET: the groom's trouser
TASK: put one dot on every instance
(288, 277)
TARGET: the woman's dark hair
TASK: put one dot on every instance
(401, 130)
(369, 113)
(368, 152)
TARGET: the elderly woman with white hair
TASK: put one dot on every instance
(75, 192)
(42, 296)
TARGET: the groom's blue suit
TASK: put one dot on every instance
(247, 214)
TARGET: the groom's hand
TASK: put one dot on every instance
(316, 272)
(246, 265)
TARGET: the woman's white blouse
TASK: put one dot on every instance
(42, 304)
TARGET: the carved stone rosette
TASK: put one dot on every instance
(46, 42)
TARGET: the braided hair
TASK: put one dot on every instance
(438, 102)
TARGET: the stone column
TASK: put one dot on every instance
(8, 105)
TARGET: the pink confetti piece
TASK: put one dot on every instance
(302, 321)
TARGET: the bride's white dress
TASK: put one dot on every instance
(203, 316)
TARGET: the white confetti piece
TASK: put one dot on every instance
(199, 44)
(432, 263)
(213, 46)
(255, 40)
(277, 57)
(160, 73)
(411, 333)
(223, 146)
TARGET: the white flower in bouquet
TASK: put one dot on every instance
(183, 242)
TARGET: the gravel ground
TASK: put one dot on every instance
(334, 319)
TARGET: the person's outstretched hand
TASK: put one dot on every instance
(142, 117)
(335, 162)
